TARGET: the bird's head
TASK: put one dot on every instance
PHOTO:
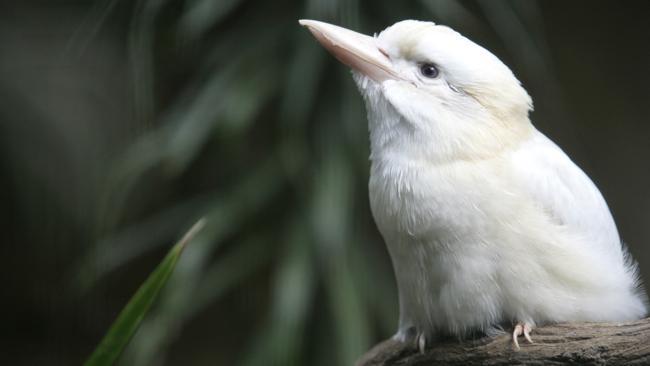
(430, 92)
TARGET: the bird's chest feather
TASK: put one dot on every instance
(438, 204)
(438, 225)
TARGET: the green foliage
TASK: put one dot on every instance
(121, 331)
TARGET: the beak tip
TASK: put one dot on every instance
(305, 22)
(313, 27)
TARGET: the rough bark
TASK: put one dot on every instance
(559, 344)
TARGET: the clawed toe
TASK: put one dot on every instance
(421, 342)
(521, 329)
(411, 334)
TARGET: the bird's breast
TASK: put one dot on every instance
(435, 203)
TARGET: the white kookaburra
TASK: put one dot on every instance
(487, 222)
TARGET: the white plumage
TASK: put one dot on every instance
(488, 223)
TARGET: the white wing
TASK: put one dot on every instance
(547, 175)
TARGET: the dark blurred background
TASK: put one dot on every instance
(123, 122)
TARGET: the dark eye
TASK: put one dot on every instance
(429, 70)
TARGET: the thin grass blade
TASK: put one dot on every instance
(127, 322)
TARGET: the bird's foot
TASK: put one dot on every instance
(521, 329)
(413, 336)
(421, 340)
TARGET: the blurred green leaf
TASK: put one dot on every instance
(281, 339)
(135, 240)
(225, 216)
(333, 224)
(203, 14)
(451, 11)
(121, 331)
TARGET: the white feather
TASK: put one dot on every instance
(486, 220)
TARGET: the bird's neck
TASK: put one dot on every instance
(441, 141)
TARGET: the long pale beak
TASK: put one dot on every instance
(356, 50)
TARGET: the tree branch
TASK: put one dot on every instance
(558, 344)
